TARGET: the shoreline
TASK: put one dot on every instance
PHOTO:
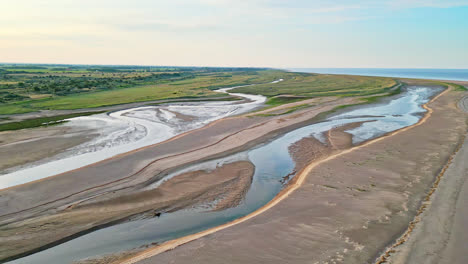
(410, 242)
(298, 70)
(401, 239)
(296, 182)
(271, 134)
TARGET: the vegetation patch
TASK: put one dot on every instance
(42, 121)
(458, 87)
(373, 99)
(27, 88)
(308, 86)
(280, 100)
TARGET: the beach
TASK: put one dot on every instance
(439, 234)
(374, 189)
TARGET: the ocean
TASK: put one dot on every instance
(437, 74)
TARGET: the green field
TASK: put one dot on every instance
(458, 87)
(24, 89)
(309, 85)
(27, 88)
(21, 95)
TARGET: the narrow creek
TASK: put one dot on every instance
(272, 162)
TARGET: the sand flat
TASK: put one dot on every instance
(349, 208)
(439, 234)
(183, 191)
(335, 192)
(120, 176)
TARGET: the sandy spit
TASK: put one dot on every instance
(438, 232)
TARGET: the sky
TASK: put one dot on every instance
(253, 33)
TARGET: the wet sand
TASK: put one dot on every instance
(221, 188)
(112, 258)
(347, 209)
(439, 232)
(310, 149)
(132, 172)
(47, 113)
(310, 145)
(29, 145)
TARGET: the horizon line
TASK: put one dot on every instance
(251, 67)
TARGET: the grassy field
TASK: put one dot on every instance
(309, 85)
(301, 86)
(458, 87)
(200, 86)
(193, 83)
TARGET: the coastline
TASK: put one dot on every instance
(414, 73)
(273, 134)
(430, 237)
(295, 183)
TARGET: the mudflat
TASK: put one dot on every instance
(349, 208)
(123, 179)
(30, 145)
(230, 182)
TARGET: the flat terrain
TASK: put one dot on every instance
(29, 90)
(301, 86)
(374, 189)
(31, 96)
(440, 234)
(126, 175)
(183, 191)
(349, 208)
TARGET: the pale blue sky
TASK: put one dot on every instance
(270, 33)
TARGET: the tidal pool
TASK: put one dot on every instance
(272, 162)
